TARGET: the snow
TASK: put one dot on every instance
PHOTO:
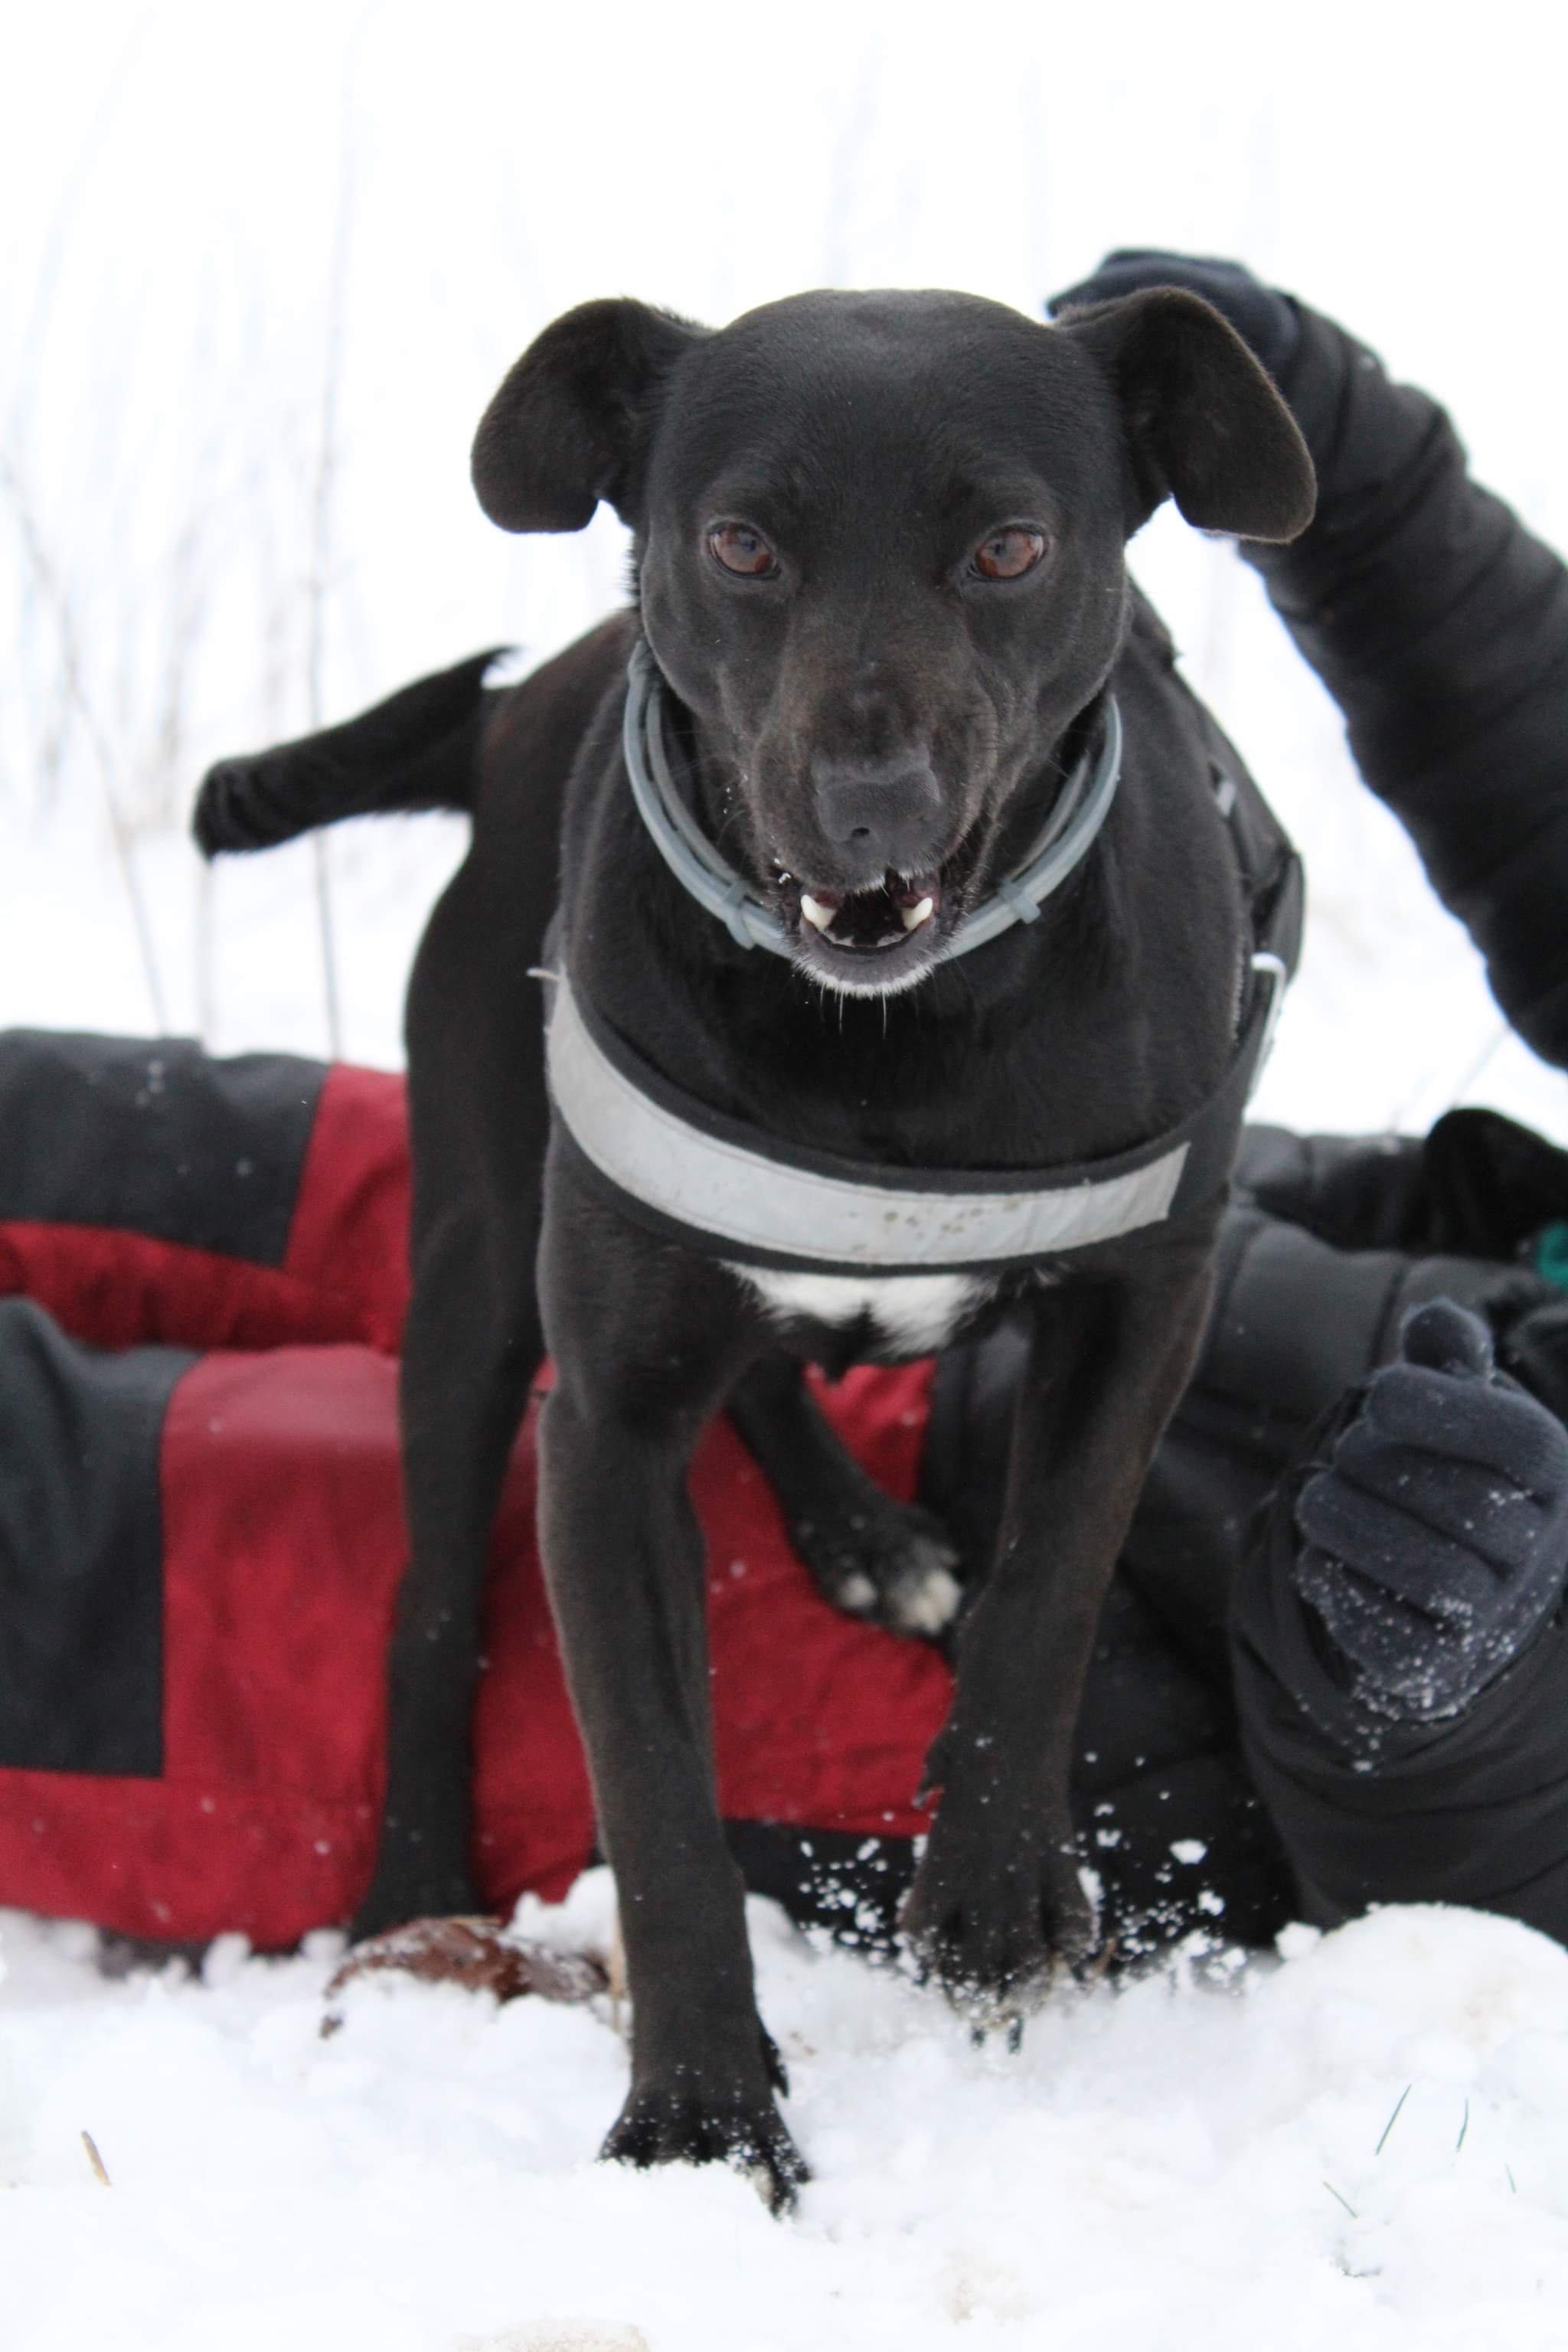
(1369, 2138)
(266, 269)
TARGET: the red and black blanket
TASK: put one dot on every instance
(202, 1286)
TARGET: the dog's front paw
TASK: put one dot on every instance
(992, 1929)
(681, 2124)
(892, 1564)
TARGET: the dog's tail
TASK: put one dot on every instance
(418, 749)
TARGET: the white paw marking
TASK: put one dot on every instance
(926, 1602)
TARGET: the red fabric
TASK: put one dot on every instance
(344, 1274)
(283, 1540)
(349, 1240)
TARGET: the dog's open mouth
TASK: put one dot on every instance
(871, 920)
(897, 918)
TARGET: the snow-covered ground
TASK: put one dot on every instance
(1366, 2146)
(264, 270)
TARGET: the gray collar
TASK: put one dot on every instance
(1081, 809)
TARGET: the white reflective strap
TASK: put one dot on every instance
(748, 1201)
(1273, 969)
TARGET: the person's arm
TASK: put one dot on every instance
(1440, 627)
(1436, 620)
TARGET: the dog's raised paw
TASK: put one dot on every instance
(925, 1596)
(894, 1566)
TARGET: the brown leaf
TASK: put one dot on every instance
(475, 1953)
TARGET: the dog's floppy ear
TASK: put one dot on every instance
(1205, 424)
(569, 425)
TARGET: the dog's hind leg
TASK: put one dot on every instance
(478, 1116)
(480, 1119)
(871, 1555)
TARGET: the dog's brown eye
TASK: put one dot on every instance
(740, 549)
(1008, 554)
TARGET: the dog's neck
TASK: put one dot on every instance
(756, 1037)
(999, 1058)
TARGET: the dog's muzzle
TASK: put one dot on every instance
(1081, 808)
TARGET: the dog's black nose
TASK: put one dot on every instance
(885, 814)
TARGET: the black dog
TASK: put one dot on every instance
(879, 546)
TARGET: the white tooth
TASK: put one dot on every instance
(819, 915)
(914, 917)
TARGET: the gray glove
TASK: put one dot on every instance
(1436, 1536)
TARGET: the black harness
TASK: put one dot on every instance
(730, 1190)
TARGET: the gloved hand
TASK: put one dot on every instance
(1265, 320)
(1436, 1535)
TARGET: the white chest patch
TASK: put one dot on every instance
(917, 1311)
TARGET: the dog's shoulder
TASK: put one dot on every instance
(1162, 715)
(537, 728)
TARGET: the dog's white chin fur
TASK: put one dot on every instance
(849, 984)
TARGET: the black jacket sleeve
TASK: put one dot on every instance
(1440, 627)
(1471, 1811)
(1333, 1244)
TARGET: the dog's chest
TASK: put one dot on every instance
(909, 1314)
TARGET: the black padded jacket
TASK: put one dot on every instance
(1225, 1780)
(1439, 625)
